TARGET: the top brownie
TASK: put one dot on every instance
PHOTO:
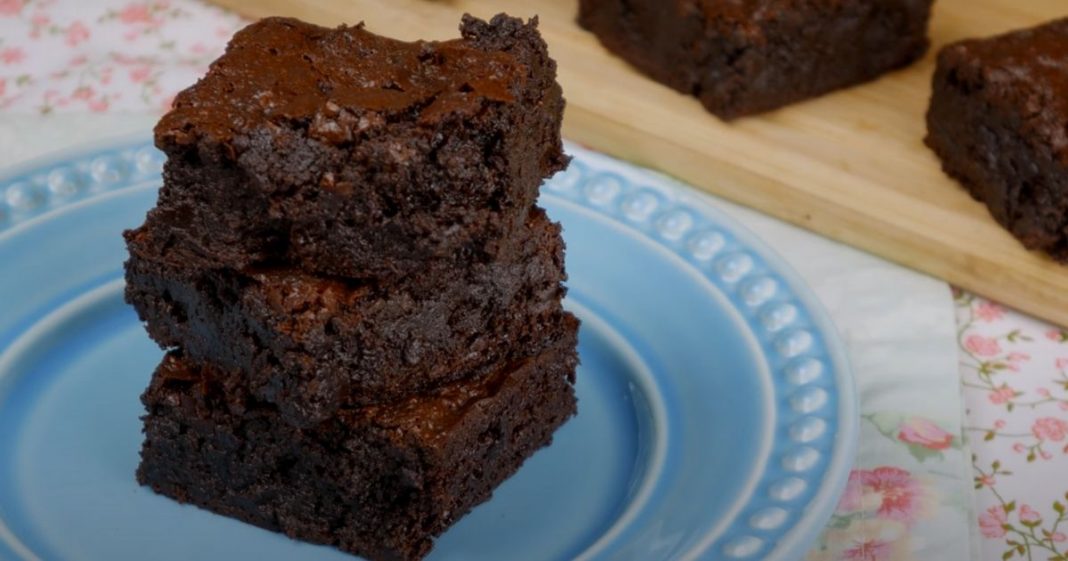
(741, 57)
(999, 121)
(350, 154)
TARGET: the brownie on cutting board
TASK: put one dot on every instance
(376, 481)
(741, 57)
(346, 153)
(312, 344)
(998, 120)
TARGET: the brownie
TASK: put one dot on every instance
(349, 154)
(741, 57)
(998, 120)
(311, 344)
(379, 481)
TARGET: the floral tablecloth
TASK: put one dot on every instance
(66, 57)
(1014, 371)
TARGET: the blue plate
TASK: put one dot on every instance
(717, 413)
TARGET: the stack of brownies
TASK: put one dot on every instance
(359, 298)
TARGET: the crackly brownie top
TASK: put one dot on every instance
(1025, 71)
(341, 82)
(756, 21)
(753, 9)
(758, 11)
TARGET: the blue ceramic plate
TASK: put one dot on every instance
(717, 412)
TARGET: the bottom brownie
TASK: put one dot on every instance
(376, 481)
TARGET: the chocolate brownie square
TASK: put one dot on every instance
(741, 57)
(379, 481)
(998, 120)
(312, 344)
(345, 153)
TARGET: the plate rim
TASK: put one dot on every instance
(819, 508)
(846, 440)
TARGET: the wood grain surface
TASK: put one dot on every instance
(851, 165)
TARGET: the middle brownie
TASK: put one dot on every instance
(312, 344)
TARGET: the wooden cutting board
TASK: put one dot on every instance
(851, 165)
